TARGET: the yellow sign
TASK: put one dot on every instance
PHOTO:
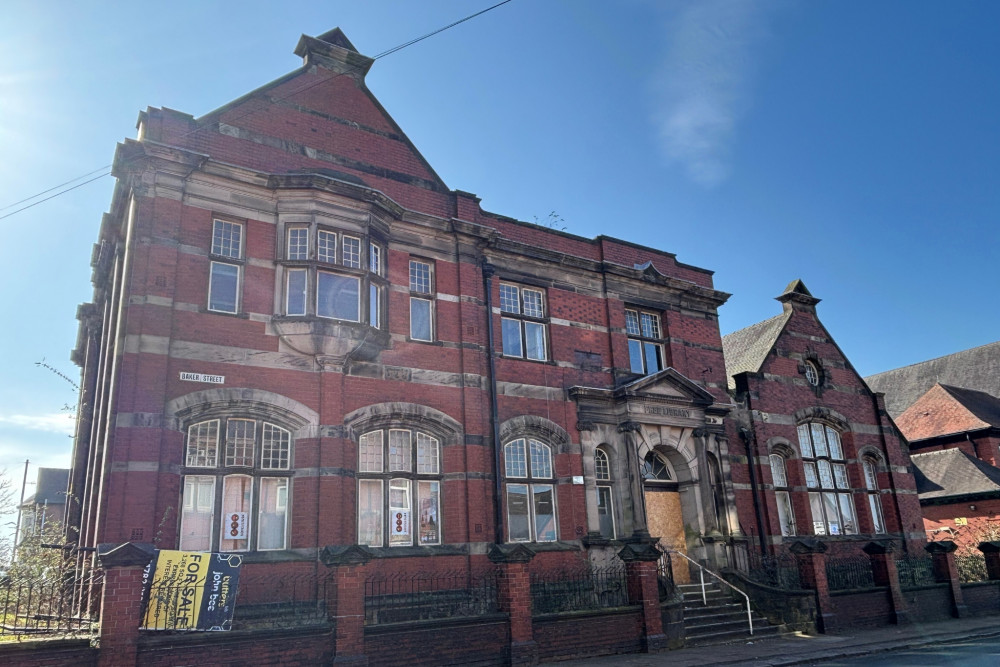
(190, 590)
(961, 521)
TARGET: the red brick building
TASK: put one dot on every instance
(825, 459)
(954, 435)
(301, 338)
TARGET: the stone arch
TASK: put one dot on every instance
(872, 454)
(382, 415)
(540, 428)
(783, 447)
(302, 420)
(818, 413)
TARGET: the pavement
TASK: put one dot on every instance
(801, 649)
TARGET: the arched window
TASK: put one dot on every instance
(825, 469)
(786, 517)
(531, 503)
(605, 506)
(241, 487)
(399, 488)
(874, 500)
(654, 469)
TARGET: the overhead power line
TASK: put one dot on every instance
(107, 168)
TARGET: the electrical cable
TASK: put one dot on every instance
(383, 54)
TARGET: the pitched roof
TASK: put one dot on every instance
(746, 349)
(976, 368)
(945, 410)
(952, 473)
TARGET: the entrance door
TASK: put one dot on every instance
(664, 517)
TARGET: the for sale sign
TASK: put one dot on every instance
(190, 590)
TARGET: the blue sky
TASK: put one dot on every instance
(853, 145)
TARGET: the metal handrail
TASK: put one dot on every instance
(704, 598)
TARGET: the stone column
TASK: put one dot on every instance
(885, 573)
(640, 527)
(945, 570)
(515, 600)
(811, 557)
(345, 600)
(640, 570)
(991, 551)
(121, 602)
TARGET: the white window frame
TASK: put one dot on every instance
(225, 258)
(212, 453)
(392, 459)
(874, 495)
(515, 317)
(642, 342)
(422, 297)
(603, 487)
(782, 494)
(824, 466)
(531, 463)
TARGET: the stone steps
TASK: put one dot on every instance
(723, 620)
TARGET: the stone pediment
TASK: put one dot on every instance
(668, 383)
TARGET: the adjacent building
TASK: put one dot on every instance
(816, 452)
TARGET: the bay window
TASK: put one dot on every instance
(399, 488)
(235, 486)
(324, 276)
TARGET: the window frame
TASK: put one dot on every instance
(315, 280)
(424, 487)
(422, 297)
(827, 480)
(534, 470)
(222, 259)
(605, 492)
(869, 470)
(782, 494)
(522, 320)
(223, 469)
(644, 341)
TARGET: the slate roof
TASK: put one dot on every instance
(952, 473)
(945, 410)
(976, 368)
(746, 349)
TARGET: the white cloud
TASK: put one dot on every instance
(58, 422)
(704, 85)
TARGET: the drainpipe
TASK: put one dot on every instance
(892, 477)
(494, 411)
(749, 436)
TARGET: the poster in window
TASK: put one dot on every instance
(190, 590)
(236, 526)
(400, 522)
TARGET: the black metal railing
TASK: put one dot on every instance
(665, 574)
(915, 571)
(594, 588)
(399, 598)
(971, 568)
(848, 572)
(775, 570)
(60, 602)
(286, 600)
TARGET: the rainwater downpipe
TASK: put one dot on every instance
(750, 438)
(494, 411)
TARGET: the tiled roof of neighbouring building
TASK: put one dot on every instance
(976, 368)
(945, 410)
(951, 473)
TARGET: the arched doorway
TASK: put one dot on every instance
(664, 512)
